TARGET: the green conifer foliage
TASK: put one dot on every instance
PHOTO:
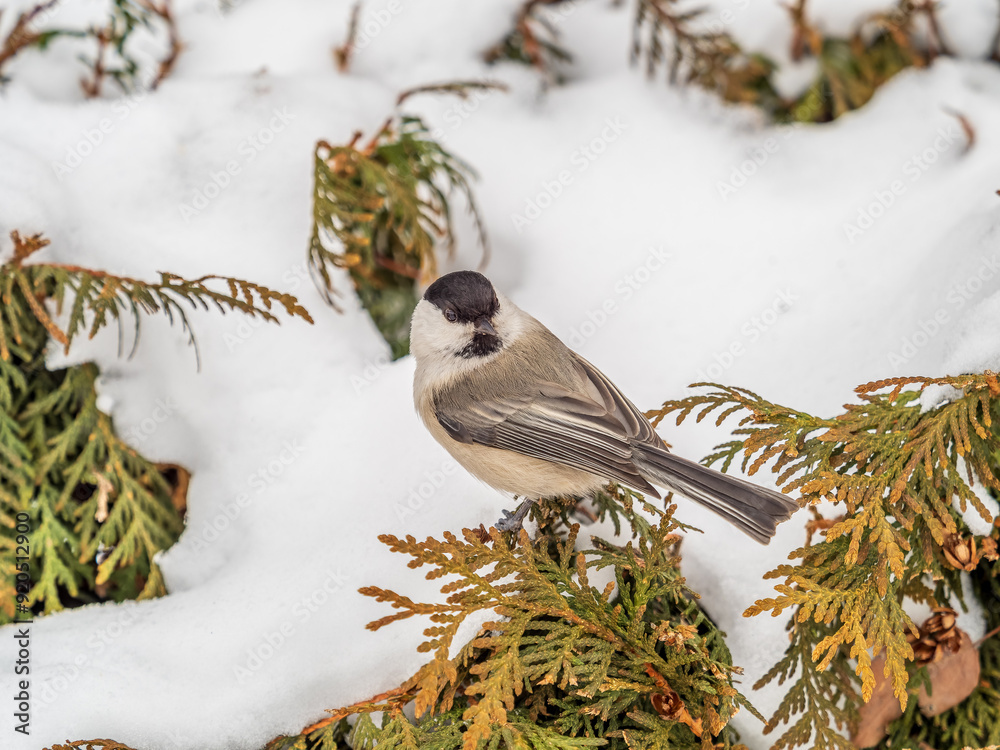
(706, 58)
(97, 510)
(976, 721)
(901, 475)
(113, 57)
(561, 662)
(324, 735)
(382, 212)
(534, 41)
(696, 49)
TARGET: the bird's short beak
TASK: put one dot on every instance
(483, 326)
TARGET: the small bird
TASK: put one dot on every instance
(527, 415)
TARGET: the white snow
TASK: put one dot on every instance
(680, 240)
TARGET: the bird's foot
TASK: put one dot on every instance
(514, 521)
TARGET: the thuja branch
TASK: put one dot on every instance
(902, 475)
(97, 510)
(383, 212)
(93, 298)
(634, 662)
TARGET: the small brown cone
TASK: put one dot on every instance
(670, 706)
(938, 636)
(960, 553)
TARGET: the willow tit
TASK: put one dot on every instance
(527, 415)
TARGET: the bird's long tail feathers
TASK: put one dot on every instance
(754, 510)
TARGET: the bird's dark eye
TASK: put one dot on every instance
(451, 315)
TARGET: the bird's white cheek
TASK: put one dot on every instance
(447, 340)
(432, 336)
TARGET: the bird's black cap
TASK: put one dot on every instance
(469, 294)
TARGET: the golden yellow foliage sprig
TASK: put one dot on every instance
(561, 662)
(901, 468)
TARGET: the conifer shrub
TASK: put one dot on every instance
(697, 50)
(561, 661)
(534, 41)
(706, 58)
(899, 470)
(83, 514)
(113, 56)
(382, 211)
(566, 664)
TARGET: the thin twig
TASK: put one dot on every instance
(165, 13)
(967, 129)
(342, 55)
(459, 88)
(936, 44)
(20, 37)
(805, 37)
(989, 635)
(92, 87)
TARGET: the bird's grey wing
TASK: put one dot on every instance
(553, 423)
(633, 421)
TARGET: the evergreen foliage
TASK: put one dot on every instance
(709, 59)
(323, 735)
(534, 41)
(114, 56)
(851, 70)
(561, 663)
(22, 36)
(901, 472)
(696, 51)
(381, 211)
(98, 511)
(976, 721)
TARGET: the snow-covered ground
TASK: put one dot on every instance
(668, 238)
